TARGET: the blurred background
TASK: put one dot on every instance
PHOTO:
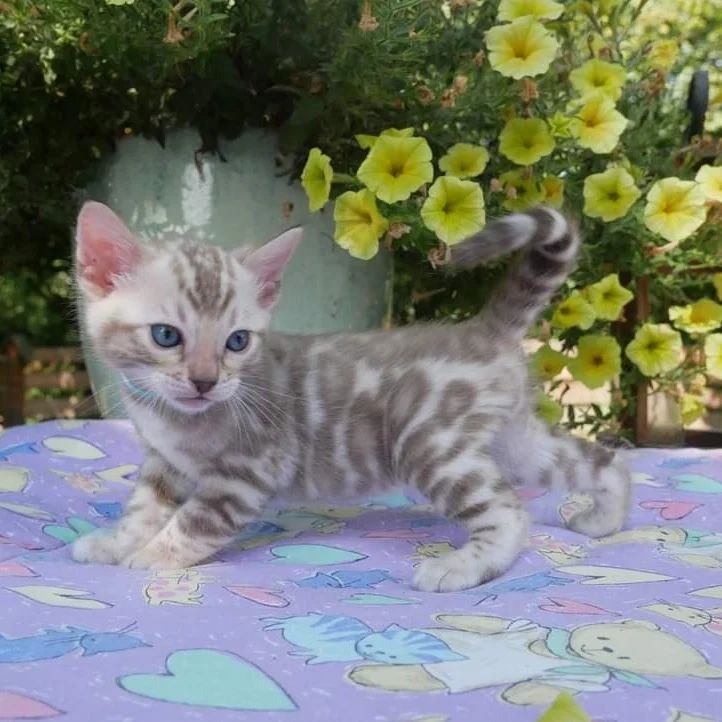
(197, 117)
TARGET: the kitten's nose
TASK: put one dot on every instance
(203, 385)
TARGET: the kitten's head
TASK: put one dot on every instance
(182, 322)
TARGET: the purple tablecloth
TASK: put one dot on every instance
(311, 616)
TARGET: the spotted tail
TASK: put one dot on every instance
(551, 243)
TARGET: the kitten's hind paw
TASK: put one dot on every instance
(98, 547)
(453, 572)
(610, 504)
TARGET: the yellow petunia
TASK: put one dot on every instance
(608, 297)
(717, 281)
(709, 178)
(663, 54)
(598, 360)
(521, 190)
(523, 48)
(525, 140)
(609, 195)
(552, 191)
(316, 179)
(675, 208)
(598, 124)
(359, 225)
(464, 160)
(548, 410)
(366, 141)
(395, 167)
(540, 9)
(454, 209)
(692, 408)
(598, 76)
(547, 363)
(655, 349)
(573, 311)
(699, 317)
(713, 354)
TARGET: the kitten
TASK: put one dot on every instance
(231, 414)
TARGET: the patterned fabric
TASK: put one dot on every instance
(312, 607)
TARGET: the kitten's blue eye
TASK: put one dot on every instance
(238, 340)
(165, 335)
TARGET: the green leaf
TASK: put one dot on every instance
(564, 709)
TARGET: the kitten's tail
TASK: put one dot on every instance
(551, 242)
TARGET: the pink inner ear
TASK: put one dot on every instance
(106, 249)
(269, 262)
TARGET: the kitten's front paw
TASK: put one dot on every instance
(452, 572)
(98, 547)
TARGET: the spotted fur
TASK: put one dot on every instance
(445, 408)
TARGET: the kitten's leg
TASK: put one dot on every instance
(206, 523)
(562, 462)
(465, 484)
(155, 498)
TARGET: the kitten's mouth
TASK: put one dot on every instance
(194, 403)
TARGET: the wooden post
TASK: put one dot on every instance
(12, 387)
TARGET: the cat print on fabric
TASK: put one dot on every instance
(332, 638)
(533, 663)
(54, 643)
(699, 548)
(233, 415)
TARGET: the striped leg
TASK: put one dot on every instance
(476, 496)
(565, 463)
(203, 525)
(156, 497)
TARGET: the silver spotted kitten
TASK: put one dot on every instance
(232, 415)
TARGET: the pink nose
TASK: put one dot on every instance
(203, 385)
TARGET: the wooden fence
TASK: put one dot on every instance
(52, 383)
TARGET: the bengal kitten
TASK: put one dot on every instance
(232, 414)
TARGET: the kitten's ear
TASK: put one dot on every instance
(269, 262)
(105, 249)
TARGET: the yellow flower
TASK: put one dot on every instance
(598, 124)
(675, 209)
(713, 354)
(573, 311)
(521, 189)
(548, 410)
(710, 179)
(717, 280)
(522, 48)
(598, 76)
(359, 225)
(692, 408)
(609, 195)
(561, 126)
(525, 140)
(699, 317)
(663, 54)
(464, 160)
(366, 141)
(552, 191)
(547, 363)
(395, 167)
(454, 209)
(540, 9)
(598, 360)
(608, 297)
(316, 179)
(655, 349)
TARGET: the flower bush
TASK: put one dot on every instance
(597, 128)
